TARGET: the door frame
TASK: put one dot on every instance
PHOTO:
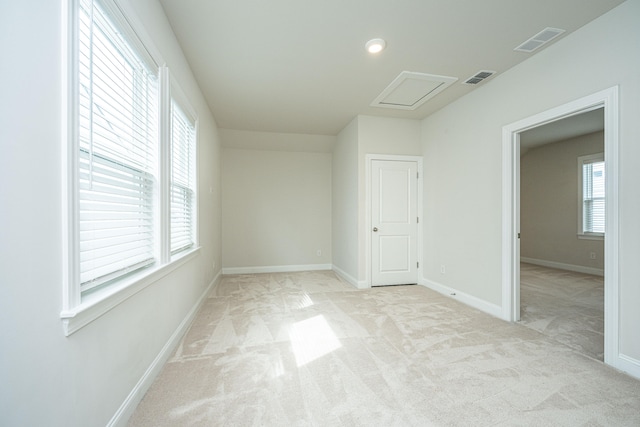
(607, 99)
(369, 158)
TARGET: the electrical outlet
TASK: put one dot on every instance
(443, 270)
(319, 252)
(592, 255)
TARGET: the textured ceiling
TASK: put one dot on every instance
(300, 66)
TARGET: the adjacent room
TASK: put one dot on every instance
(562, 224)
(320, 213)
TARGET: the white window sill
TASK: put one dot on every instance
(96, 305)
(591, 236)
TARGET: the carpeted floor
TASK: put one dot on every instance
(306, 349)
(564, 305)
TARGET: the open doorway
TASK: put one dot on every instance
(511, 135)
(562, 226)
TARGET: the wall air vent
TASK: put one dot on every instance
(478, 77)
(542, 38)
(410, 90)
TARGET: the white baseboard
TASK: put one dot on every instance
(122, 415)
(563, 266)
(349, 278)
(464, 298)
(276, 269)
(628, 365)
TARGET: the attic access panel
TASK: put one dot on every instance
(410, 90)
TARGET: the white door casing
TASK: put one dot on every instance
(394, 222)
(516, 265)
(608, 99)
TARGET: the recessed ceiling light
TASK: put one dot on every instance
(375, 45)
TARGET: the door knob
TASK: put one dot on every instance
(375, 228)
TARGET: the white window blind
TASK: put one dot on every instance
(182, 188)
(593, 196)
(117, 96)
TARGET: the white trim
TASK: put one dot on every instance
(629, 365)
(135, 26)
(127, 23)
(591, 236)
(464, 298)
(608, 99)
(124, 412)
(510, 290)
(611, 244)
(163, 196)
(368, 159)
(69, 126)
(563, 266)
(178, 95)
(81, 315)
(196, 207)
(348, 278)
(276, 269)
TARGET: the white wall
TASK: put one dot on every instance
(344, 203)
(549, 204)
(380, 135)
(80, 380)
(462, 150)
(276, 141)
(364, 135)
(276, 210)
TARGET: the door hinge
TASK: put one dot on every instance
(417, 175)
(518, 235)
(417, 265)
(418, 220)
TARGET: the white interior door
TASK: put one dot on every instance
(394, 222)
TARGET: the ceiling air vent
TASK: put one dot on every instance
(478, 77)
(410, 90)
(543, 37)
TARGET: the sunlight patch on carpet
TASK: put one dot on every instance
(311, 339)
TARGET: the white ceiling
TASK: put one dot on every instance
(570, 127)
(300, 66)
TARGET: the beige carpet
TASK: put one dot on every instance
(305, 349)
(564, 305)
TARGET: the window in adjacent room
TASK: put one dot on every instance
(591, 191)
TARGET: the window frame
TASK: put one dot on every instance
(79, 310)
(582, 160)
(178, 97)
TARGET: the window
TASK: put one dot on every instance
(591, 190)
(117, 106)
(131, 162)
(183, 134)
